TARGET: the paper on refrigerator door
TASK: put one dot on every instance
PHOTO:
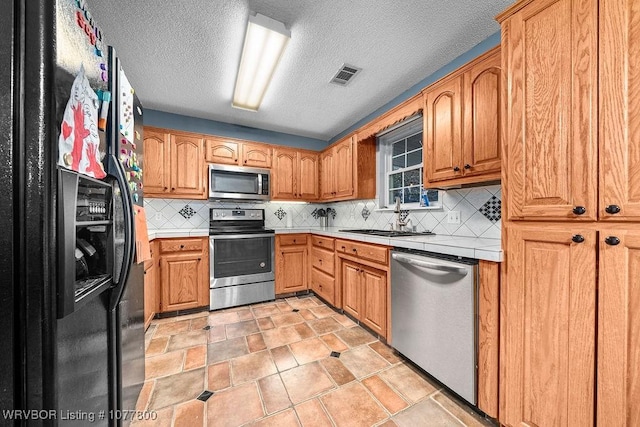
(126, 108)
(79, 141)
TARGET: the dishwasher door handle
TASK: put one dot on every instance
(424, 264)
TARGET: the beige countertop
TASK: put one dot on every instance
(469, 247)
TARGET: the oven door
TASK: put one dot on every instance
(240, 259)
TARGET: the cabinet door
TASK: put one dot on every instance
(620, 109)
(550, 51)
(328, 177)
(181, 276)
(256, 155)
(374, 301)
(443, 127)
(285, 169)
(187, 166)
(308, 176)
(291, 269)
(222, 151)
(150, 304)
(481, 136)
(344, 168)
(619, 330)
(547, 320)
(156, 162)
(351, 288)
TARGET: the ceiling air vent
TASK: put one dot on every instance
(345, 74)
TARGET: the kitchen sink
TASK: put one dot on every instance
(389, 233)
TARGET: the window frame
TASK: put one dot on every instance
(385, 144)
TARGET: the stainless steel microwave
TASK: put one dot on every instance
(239, 183)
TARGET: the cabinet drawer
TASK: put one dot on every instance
(181, 245)
(323, 285)
(323, 242)
(322, 259)
(362, 250)
(292, 239)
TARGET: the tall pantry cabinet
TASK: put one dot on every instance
(570, 304)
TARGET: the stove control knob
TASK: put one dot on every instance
(223, 214)
(215, 214)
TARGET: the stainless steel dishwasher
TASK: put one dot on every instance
(433, 316)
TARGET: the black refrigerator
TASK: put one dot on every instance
(72, 325)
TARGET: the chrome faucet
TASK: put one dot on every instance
(400, 225)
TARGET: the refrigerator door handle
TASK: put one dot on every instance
(129, 232)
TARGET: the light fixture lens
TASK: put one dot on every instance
(264, 44)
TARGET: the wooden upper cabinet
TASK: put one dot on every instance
(619, 110)
(308, 172)
(344, 168)
(295, 175)
(547, 359)
(550, 63)
(285, 171)
(223, 151)
(187, 166)
(482, 116)
(443, 128)
(156, 162)
(618, 329)
(173, 165)
(231, 151)
(256, 155)
(327, 174)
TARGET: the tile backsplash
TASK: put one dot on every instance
(479, 209)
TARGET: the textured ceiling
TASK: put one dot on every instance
(182, 56)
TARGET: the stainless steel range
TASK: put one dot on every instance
(241, 252)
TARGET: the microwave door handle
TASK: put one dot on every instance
(259, 183)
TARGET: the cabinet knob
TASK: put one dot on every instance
(166, 188)
(357, 270)
(456, 169)
(579, 210)
(343, 248)
(245, 161)
(355, 250)
(294, 240)
(181, 246)
(612, 241)
(612, 209)
(173, 188)
(467, 166)
(578, 238)
(320, 261)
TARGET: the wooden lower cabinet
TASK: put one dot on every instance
(547, 319)
(184, 273)
(322, 267)
(291, 263)
(150, 288)
(619, 328)
(364, 295)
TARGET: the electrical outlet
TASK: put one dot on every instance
(158, 216)
(453, 217)
(305, 215)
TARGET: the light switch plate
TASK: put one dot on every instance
(158, 216)
(453, 217)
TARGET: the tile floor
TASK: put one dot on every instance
(275, 364)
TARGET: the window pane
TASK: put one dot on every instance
(395, 180)
(414, 158)
(398, 162)
(399, 148)
(414, 142)
(393, 194)
(412, 195)
(411, 178)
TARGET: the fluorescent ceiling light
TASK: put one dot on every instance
(264, 45)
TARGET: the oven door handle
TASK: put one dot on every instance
(240, 236)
